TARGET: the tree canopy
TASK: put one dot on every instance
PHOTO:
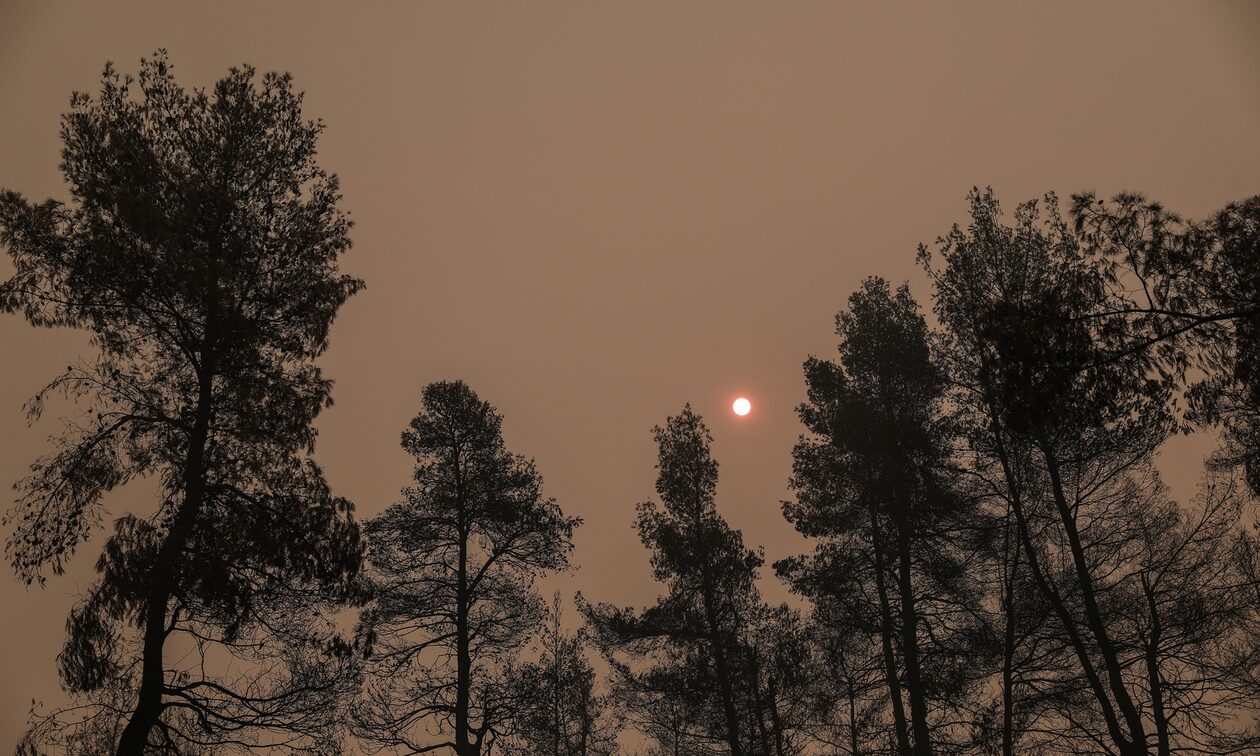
(200, 250)
(451, 585)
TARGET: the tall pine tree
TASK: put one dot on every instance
(200, 251)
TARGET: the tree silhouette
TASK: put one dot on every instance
(776, 657)
(845, 694)
(1072, 419)
(200, 252)
(559, 711)
(688, 645)
(876, 481)
(997, 565)
(1187, 294)
(1017, 613)
(1013, 300)
(451, 582)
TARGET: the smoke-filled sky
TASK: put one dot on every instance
(594, 213)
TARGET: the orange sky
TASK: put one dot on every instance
(594, 213)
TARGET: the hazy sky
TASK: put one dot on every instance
(594, 213)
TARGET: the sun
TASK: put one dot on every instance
(741, 406)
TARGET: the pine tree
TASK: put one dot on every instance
(688, 646)
(559, 711)
(876, 482)
(200, 250)
(451, 584)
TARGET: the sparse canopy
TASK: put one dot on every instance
(451, 585)
(1066, 387)
(559, 709)
(690, 642)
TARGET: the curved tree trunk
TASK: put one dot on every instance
(1093, 615)
(135, 735)
(1056, 601)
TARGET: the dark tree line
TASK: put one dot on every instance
(996, 566)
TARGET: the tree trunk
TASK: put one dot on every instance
(776, 722)
(1008, 649)
(135, 735)
(1154, 678)
(910, 643)
(149, 705)
(464, 745)
(1093, 615)
(723, 670)
(853, 722)
(886, 633)
(1056, 602)
(763, 732)
(557, 717)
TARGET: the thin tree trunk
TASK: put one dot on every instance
(1093, 614)
(1154, 678)
(910, 643)
(149, 705)
(1008, 646)
(886, 632)
(853, 723)
(463, 658)
(720, 665)
(759, 705)
(776, 721)
(1056, 602)
(557, 717)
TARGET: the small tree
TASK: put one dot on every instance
(200, 251)
(689, 644)
(777, 659)
(559, 710)
(452, 577)
(845, 694)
